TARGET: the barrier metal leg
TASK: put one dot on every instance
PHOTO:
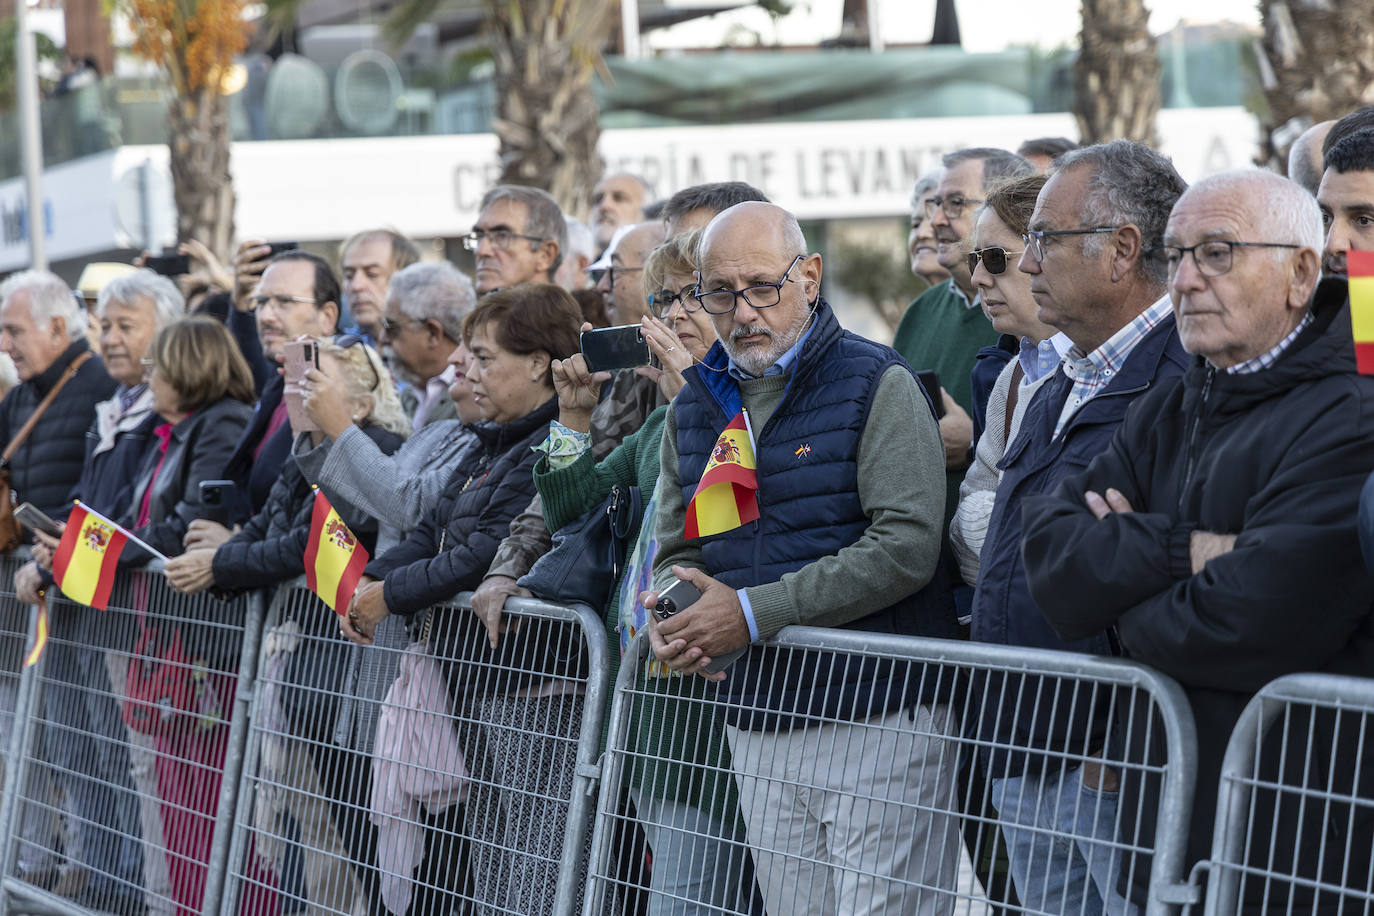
(19, 753)
(233, 757)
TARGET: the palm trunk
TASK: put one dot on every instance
(199, 157)
(547, 119)
(1116, 78)
(1316, 63)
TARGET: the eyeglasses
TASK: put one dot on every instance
(148, 365)
(1213, 258)
(1035, 241)
(994, 259)
(661, 302)
(393, 327)
(500, 238)
(280, 303)
(759, 296)
(344, 341)
(953, 205)
(610, 274)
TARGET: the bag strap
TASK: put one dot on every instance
(42, 408)
(1016, 375)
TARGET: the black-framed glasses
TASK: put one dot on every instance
(280, 303)
(344, 341)
(615, 270)
(994, 259)
(1035, 241)
(661, 303)
(953, 205)
(500, 238)
(392, 327)
(1213, 257)
(759, 296)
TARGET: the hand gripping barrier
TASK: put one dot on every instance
(841, 771)
(387, 779)
(1295, 810)
(123, 767)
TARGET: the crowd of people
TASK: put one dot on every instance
(1123, 419)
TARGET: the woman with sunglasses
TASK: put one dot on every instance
(270, 550)
(1007, 301)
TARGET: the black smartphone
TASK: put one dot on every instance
(216, 497)
(35, 519)
(169, 263)
(621, 347)
(677, 597)
(930, 381)
(278, 247)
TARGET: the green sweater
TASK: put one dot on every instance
(901, 469)
(940, 332)
(673, 718)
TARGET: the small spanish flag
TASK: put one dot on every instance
(1359, 267)
(87, 557)
(334, 560)
(727, 495)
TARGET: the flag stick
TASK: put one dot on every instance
(127, 533)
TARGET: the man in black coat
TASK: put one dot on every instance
(1217, 532)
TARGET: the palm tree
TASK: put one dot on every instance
(196, 42)
(1117, 76)
(1316, 63)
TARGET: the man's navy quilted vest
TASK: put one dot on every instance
(809, 508)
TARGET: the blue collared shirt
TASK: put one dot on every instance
(782, 366)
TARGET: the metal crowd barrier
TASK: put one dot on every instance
(124, 762)
(1295, 811)
(389, 779)
(856, 804)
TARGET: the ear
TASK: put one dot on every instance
(539, 362)
(1305, 271)
(436, 334)
(1128, 247)
(544, 257)
(363, 405)
(810, 271)
(328, 315)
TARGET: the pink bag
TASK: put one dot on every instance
(416, 764)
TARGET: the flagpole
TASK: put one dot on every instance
(127, 533)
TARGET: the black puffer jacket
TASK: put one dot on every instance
(271, 547)
(454, 545)
(1276, 458)
(47, 466)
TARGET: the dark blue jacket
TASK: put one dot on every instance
(1003, 610)
(808, 510)
(987, 366)
(255, 475)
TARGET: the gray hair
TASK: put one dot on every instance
(49, 297)
(924, 185)
(543, 216)
(433, 291)
(580, 239)
(1131, 185)
(168, 305)
(1285, 213)
(998, 164)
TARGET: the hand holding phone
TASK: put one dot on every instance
(300, 357)
(35, 519)
(677, 598)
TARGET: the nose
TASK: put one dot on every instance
(603, 282)
(1027, 263)
(745, 313)
(1337, 239)
(1186, 275)
(938, 218)
(472, 374)
(981, 277)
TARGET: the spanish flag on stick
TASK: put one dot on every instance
(334, 560)
(727, 495)
(88, 556)
(1359, 266)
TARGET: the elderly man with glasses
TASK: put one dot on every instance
(1216, 534)
(520, 237)
(845, 534)
(1091, 274)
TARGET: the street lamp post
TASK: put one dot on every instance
(31, 135)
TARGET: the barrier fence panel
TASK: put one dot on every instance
(836, 771)
(132, 725)
(1295, 811)
(388, 778)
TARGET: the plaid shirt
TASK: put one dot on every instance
(1265, 360)
(1093, 372)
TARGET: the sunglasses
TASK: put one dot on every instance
(994, 259)
(344, 341)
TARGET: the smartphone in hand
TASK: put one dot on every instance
(301, 357)
(621, 347)
(35, 519)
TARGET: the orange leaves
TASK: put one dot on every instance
(194, 40)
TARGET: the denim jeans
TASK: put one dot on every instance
(1059, 834)
(699, 864)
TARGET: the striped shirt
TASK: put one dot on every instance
(1265, 360)
(1094, 371)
